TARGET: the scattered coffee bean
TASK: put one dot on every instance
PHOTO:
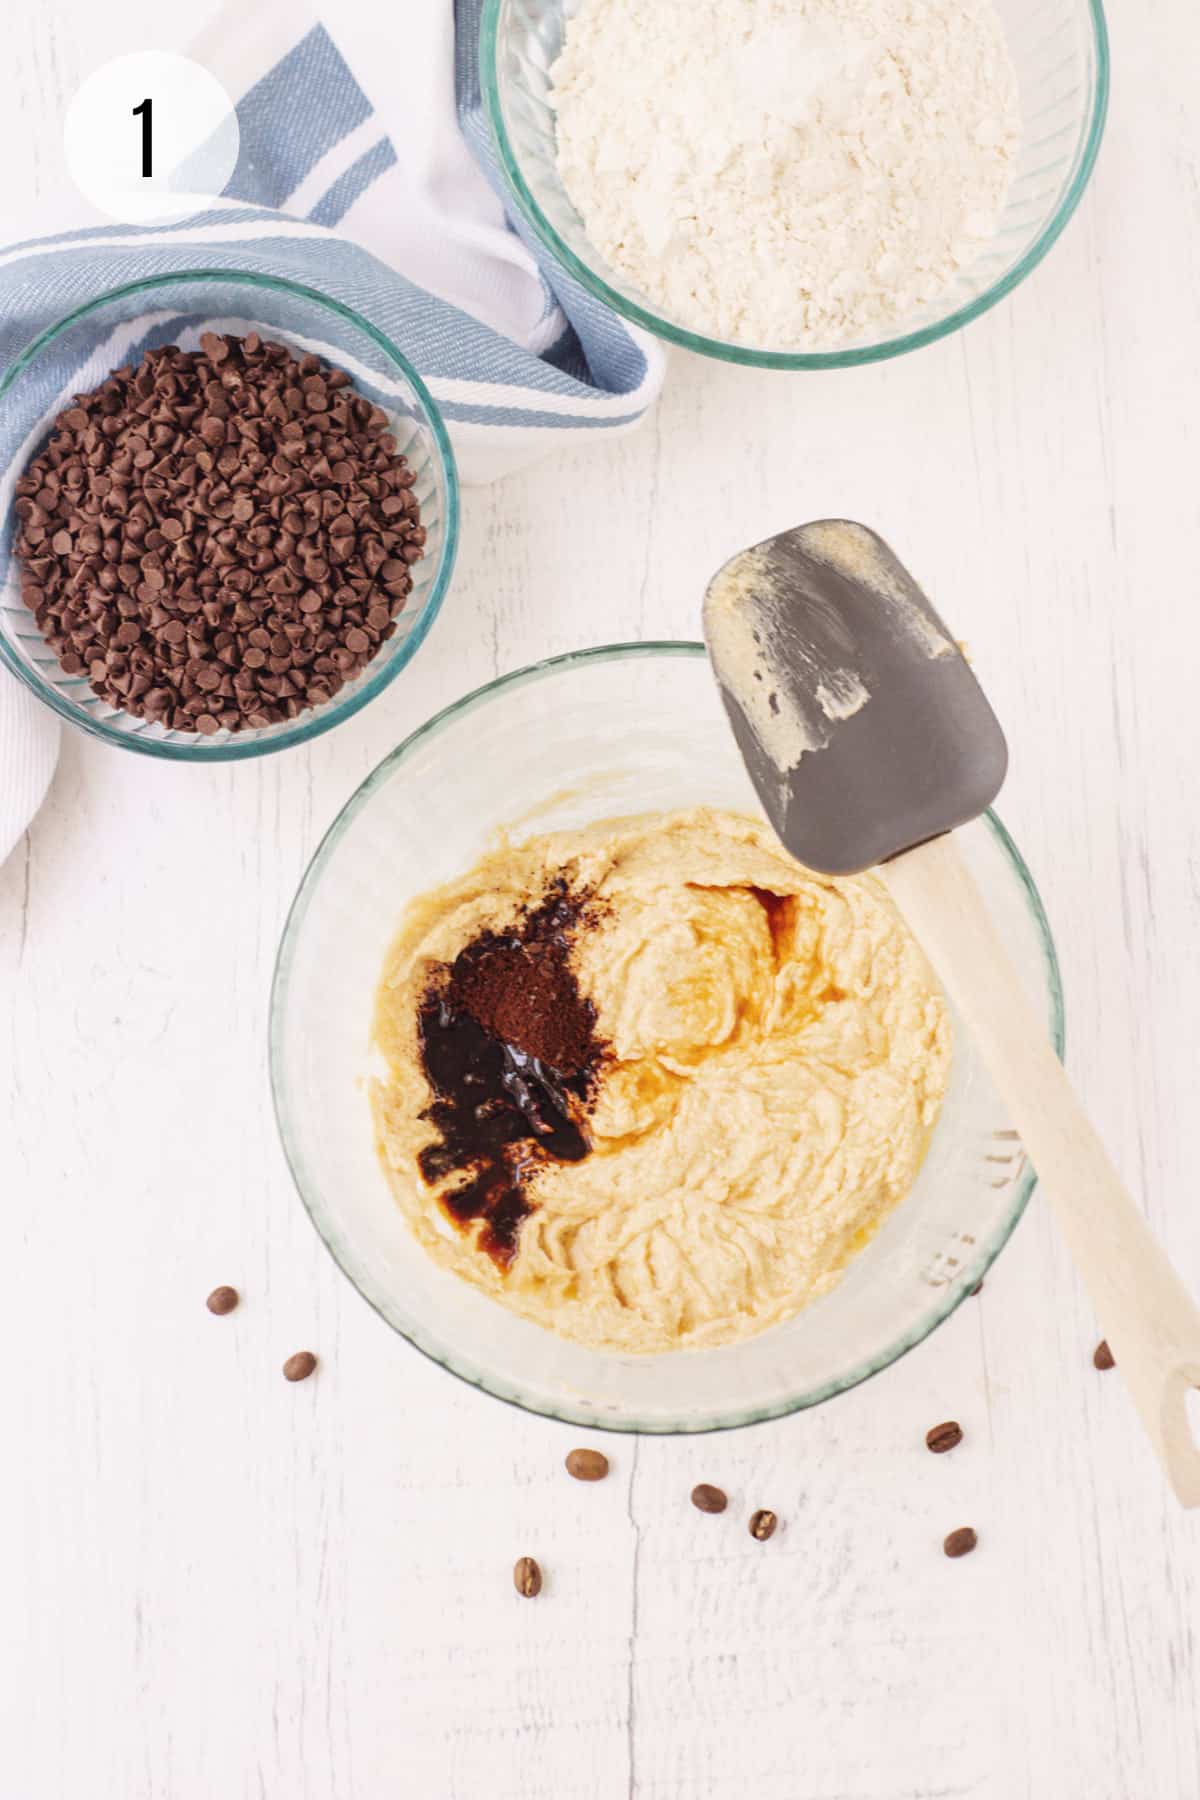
(527, 1578)
(709, 1499)
(960, 1542)
(222, 1300)
(1103, 1357)
(219, 538)
(762, 1524)
(300, 1366)
(587, 1465)
(940, 1438)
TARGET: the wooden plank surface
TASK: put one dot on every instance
(214, 1583)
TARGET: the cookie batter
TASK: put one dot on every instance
(762, 1057)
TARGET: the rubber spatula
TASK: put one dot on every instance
(869, 741)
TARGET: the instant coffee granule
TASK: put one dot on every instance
(521, 988)
(218, 538)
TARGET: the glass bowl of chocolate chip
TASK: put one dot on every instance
(601, 1100)
(233, 519)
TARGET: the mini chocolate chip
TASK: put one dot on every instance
(587, 1465)
(960, 1542)
(527, 1578)
(940, 1438)
(709, 1499)
(222, 1300)
(1103, 1357)
(186, 504)
(299, 1366)
(762, 1524)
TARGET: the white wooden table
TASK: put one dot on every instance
(214, 1584)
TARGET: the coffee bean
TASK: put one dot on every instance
(527, 1578)
(762, 1524)
(207, 504)
(940, 1438)
(222, 1300)
(299, 1366)
(1103, 1357)
(709, 1499)
(587, 1465)
(960, 1542)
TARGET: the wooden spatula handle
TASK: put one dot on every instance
(1146, 1313)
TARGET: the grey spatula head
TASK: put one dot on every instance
(860, 722)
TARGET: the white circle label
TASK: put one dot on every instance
(151, 138)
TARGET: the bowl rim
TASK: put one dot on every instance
(948, 1300)
(308, 726)
(850, 357)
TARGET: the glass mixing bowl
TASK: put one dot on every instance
(115, 328)
(580, 738)
(1059, 49)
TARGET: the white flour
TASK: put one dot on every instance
(787, 173)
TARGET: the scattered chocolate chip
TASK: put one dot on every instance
(709, 1499)
(960, 1542)
(300, 1366)
(587, 1465)
(222, 1300)
(1103, 1357)
(200, 499)
(940, 1438)
(527, 1578)
(762, 1524)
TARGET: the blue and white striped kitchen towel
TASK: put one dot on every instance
(365, 170)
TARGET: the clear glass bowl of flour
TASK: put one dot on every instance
(585, 737)
(1059, 51)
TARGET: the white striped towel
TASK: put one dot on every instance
(365, 170)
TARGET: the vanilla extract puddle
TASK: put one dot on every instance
(509, 1050)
